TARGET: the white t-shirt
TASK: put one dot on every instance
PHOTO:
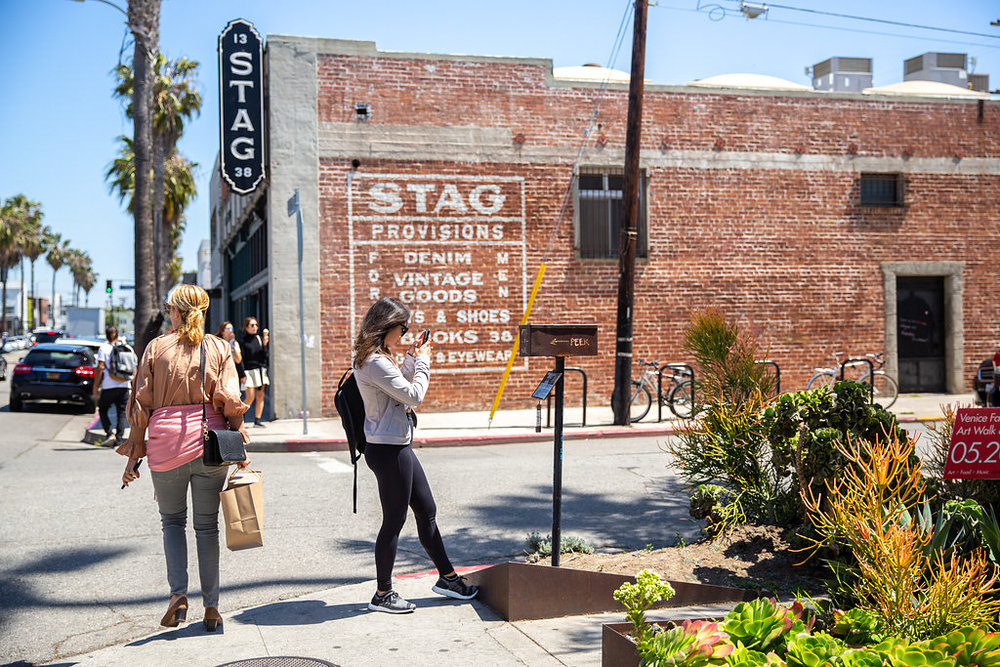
(104, 354)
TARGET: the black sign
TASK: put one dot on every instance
(557, 340)
(241, 106)
(544, 387)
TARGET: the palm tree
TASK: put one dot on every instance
(35, 243)
(11, 214)
(144, 22)
(175, 100)
(179, 191)
(56, 256)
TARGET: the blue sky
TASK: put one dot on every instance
(59, 123)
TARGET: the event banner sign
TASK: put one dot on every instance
(975, 445)
(241, 106)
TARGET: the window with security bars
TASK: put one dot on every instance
(599, 203)
(882, 189)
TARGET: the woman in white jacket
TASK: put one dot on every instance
(388, 391)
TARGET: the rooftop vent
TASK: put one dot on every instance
(842, 74)
(949, 68)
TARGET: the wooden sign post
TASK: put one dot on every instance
(559, 341)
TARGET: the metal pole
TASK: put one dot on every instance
(557, 456)
(630, 194)
(302, 320)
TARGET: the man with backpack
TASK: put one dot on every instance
(116, 364)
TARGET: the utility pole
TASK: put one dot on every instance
(620, 399)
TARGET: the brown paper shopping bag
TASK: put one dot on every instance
(243, 510)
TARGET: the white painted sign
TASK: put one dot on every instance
(450, 247)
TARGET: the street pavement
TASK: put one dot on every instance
(292, 598)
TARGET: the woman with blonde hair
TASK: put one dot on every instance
(167, 398)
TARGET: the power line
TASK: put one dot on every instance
(733, 14)
(885, 21)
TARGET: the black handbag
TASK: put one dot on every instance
(221, 447)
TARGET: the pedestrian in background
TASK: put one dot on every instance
(228, 334)
(255, 365)
(388, 391)
(168, 402)
(110, 391)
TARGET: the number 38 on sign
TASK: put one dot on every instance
(975, 445)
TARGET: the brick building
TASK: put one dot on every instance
(825, 221)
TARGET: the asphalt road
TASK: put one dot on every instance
(81, 563)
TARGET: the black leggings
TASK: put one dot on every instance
(402, 483)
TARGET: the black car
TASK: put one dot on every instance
(982, 383)
(47, 336)
(54, 372)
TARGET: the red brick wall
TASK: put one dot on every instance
(786, 252)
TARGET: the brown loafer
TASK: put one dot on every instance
(212, 619)
(176, 613)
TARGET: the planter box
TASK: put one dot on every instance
(519, 591)
(617, 647)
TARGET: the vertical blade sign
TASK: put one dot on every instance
(241, 106)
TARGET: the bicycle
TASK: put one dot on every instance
(678, 395)
(884, 387)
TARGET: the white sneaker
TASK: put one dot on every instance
(391, 603)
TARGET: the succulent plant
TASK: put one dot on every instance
(970, 647)
(898, 652)
(816, 650)
(691, 644)
(857, 627)
(647, 590)
(745, 657)
(861, 657)
(763, 624)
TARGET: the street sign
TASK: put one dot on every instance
(557, 340)
(241, 106)
(974, 452)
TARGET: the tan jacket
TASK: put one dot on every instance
(169, 373)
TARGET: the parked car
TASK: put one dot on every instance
(14, 343)
(54, 372)
(47, 335)
(93, 343)
(982, 383)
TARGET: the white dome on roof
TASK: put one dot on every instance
(591, 73)
(918, 88)
(758, 81)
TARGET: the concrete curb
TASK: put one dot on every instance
(294, 444)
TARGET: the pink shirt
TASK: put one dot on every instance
(176, 436)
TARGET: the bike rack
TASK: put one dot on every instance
(548, 402)
(659, 387)
(871, 373)
(777, 373)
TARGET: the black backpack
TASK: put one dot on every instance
(352, 415)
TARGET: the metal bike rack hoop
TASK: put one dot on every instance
(871, 373)
(659, 386)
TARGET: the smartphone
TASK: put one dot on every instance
(424, 336)
(135, 469)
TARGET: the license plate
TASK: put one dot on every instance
(53, 376)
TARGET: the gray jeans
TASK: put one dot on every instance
(171, 495)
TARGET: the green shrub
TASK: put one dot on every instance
(725, 446)
(535, 543)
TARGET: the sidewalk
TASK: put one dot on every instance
(336, 626)
(474, 428)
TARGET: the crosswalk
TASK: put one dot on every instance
(328, 463)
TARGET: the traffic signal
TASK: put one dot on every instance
(107, 286)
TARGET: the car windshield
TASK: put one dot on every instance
(55, 359)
